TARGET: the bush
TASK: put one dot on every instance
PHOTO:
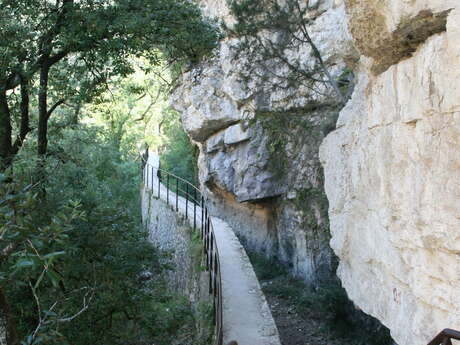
(80, 247)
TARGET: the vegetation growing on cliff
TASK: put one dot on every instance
(279, 127)
(269, 32)
(271, 36)
(291, 137)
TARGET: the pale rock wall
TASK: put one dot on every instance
(271, 193)
(392, 169)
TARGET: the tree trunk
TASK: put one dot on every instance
(42, 144)
(12, 337)
(76, 115)
(24, 110)
(5, 132)
(24, 129)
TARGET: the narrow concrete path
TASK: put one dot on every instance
(246, 315)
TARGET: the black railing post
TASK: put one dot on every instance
(206, 247)
(194, 208)
(216, 265)
(206, 221)
(177, 194)
(211, 251)
(210, 257)
(206, 217)
(159, 182)
(151, 180)
(202, 215)
(186, 200)
(167, 189)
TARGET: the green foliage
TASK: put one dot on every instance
(205, 313)
(279, 128)
(310, 200)
(196, 248)
(103, 33)
(131, 109)
(266, 268)
(79, 251)
(72, 248)
(179, 155)
(136, 112)
(65, 52)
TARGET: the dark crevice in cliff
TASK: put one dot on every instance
(409, 35)
(213, 127)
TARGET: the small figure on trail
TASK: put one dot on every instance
(145, 156)
(159, 171)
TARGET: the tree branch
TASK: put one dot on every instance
(7, 250)
(86, 304)
(150, 106)
(53, 108)
(5, 131)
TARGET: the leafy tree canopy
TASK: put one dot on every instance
(99, 33)
(72, 246)
(55, 52)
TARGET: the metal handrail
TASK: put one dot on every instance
(193, 194)
(445, 337)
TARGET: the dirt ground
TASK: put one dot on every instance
(316, 318)
(320, 315)
(308, 328)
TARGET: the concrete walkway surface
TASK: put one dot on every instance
(246, 315)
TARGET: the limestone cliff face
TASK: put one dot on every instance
(259, 147)
(392, 167)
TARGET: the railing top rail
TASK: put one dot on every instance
(445, 334)
(173, 175)
(177, 177)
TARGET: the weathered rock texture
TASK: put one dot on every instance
(392, 168)
(259, 147)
